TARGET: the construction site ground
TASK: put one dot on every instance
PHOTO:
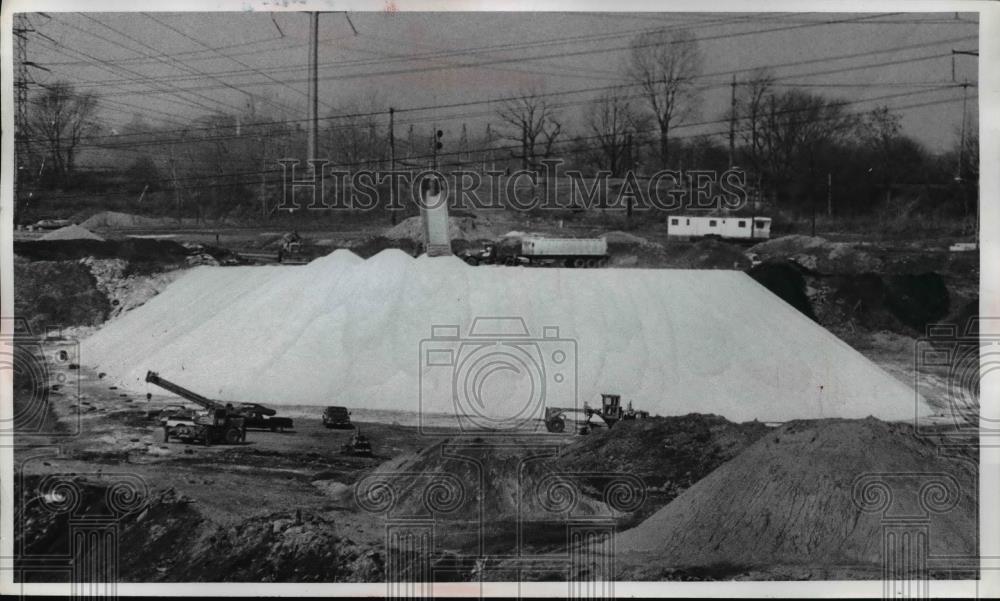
(280, 507)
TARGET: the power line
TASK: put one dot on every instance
(573, 141)
(614, 87)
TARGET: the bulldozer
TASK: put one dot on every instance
(217, 423)
(359, 446)
(611, 412)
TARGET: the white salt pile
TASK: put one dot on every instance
(345, 331)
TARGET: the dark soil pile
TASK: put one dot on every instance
(815, 493)
(818, 254)
(373, 246)
(129, 249)
(164, 535)
(712, 254)
(455, 480)
(669, 454)
(57, 294)
(904, 303)
(785, 280)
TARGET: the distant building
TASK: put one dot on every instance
(719, 226)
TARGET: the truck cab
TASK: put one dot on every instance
(337, 417)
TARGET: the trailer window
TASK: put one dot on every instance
(711, 223)
(761, 224)
(688, 222)
(741, 224)
(675, 222)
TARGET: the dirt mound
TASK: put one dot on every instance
(71, 232)
(917, 299)
(812, 493)
(57, 293)
(115, 220)
(162, 536)
(786, 281)
(459, 228)
(130, 249)
(373, 246)
(713, 254)
(669, 453)
(625, 238)
(904, 303)
(454, 480)
(818, 254)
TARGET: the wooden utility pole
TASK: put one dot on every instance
(732, 121)
(829, 194)
(312, 146)
(263, 184)
(392, 162)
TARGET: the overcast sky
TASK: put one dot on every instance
(172, 67)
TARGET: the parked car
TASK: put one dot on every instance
(337, 417)
(259, 416)
(168, 410)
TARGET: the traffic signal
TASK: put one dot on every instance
(437, 143)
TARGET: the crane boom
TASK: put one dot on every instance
(154, 378)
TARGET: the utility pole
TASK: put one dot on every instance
(829, 194)
(463, 145)
(961, 149)
(392, 161)
(732, 121)
(312, 147)
(960, 177)
(263, 184)
(22, 79)
(20, 31)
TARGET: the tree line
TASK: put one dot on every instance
(799, 148)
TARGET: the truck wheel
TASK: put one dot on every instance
(472, 261)
(232, 436)
(591, 263)
(578, 263)
(555, 425)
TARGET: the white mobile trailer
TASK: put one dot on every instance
(702, 226)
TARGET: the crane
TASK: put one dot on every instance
(218, 423)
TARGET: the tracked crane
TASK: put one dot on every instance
(217, 423)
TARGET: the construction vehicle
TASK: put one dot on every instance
(290, 250)
(217, 423)
(359, 446)
(533, 251)
(610, 412)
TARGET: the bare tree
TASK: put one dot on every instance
(664, 64)
(355, 137)
(614, 120)
(532, 123)
(795, 128)
(59, 119)
(750, 112)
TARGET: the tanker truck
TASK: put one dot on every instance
(538, 251)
